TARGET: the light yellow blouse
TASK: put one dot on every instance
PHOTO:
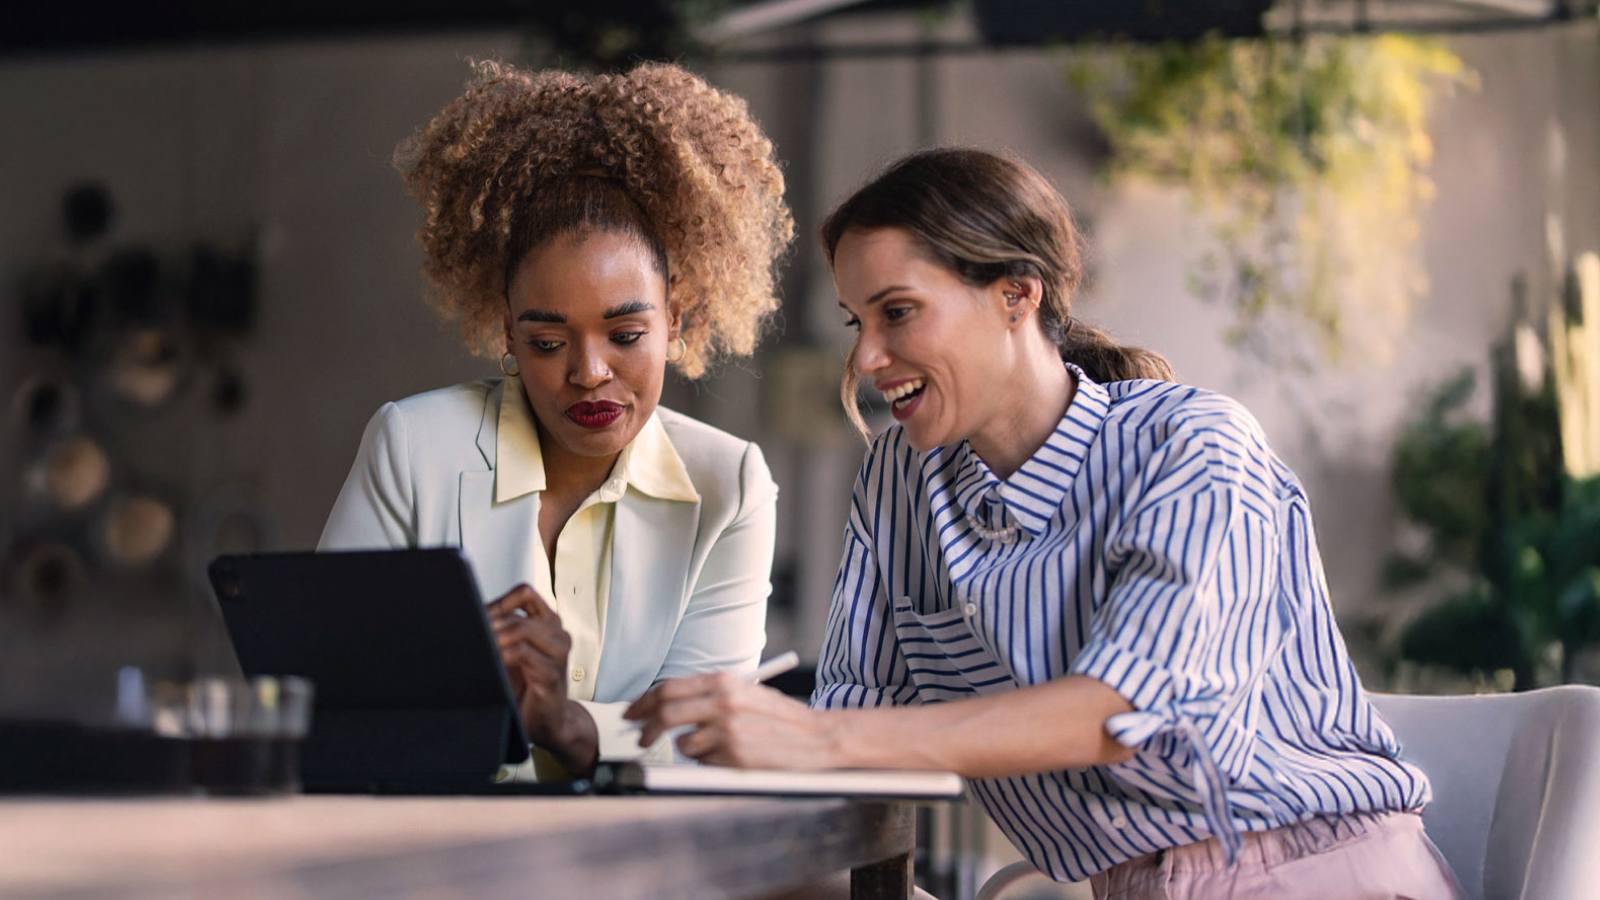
(579, 586)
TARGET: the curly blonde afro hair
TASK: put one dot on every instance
(522, 157)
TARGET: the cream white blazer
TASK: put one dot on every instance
(689, 580)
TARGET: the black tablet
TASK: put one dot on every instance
(410, 690)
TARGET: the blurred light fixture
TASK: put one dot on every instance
(758, 17)
(1002, 24)
(1426, 16)
(137, 530)
(147, 367)
(71, 474)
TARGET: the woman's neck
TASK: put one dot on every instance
(1035, 398)
(566, 474)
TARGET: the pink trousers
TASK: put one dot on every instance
(1367, 856)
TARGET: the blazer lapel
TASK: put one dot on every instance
(497, 538)
(651, 549)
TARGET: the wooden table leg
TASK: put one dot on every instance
(890, 879)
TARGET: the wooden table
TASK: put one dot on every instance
(449, 847)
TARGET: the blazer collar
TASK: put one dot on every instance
(649, 463)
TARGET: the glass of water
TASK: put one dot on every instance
(244, 734)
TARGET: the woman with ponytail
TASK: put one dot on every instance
(1092, 591)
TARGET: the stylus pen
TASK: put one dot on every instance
(777, 665)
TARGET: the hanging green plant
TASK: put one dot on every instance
(1307, 160)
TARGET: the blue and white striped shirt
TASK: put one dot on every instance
(1155, 543)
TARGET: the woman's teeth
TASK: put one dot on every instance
(903, 392)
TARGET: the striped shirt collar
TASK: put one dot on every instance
(649, 463)
(1033, 494)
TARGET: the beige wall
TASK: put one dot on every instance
(295, 139)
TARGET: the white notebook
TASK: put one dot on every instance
(680, 779)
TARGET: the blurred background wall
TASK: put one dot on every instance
(277, 153)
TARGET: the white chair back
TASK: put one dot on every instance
(1516, 784)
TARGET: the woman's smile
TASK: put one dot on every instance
(904, 396)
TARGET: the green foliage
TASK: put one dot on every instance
(1468, 632)
(1441, 468)
(1308, 160)
(601, 36)
(1503, 506)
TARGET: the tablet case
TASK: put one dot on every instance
(410, 692)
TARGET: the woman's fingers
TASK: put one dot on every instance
(556, 647)
(745, 739)
(699, 743)
(674, 689)
(525, 598)
(544, 634)
(536, 667)
(739, 722)
(643, 707)
(700, 710)
(720, 699)
(544, 645)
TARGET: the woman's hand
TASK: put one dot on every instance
(534, 648)
(740, 723)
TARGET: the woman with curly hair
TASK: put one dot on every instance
(588, 231)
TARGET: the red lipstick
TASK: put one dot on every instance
(595, 414)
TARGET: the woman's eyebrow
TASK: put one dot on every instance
(621, 309)
(884, 293)
(628, 308)
(876, 297)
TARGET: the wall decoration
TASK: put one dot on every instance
(120, 337)
(71, 474)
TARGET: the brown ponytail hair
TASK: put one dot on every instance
(986, 217)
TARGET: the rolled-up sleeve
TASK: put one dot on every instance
(1191, 623)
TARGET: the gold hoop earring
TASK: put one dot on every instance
(682, 348)
(503, 371)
